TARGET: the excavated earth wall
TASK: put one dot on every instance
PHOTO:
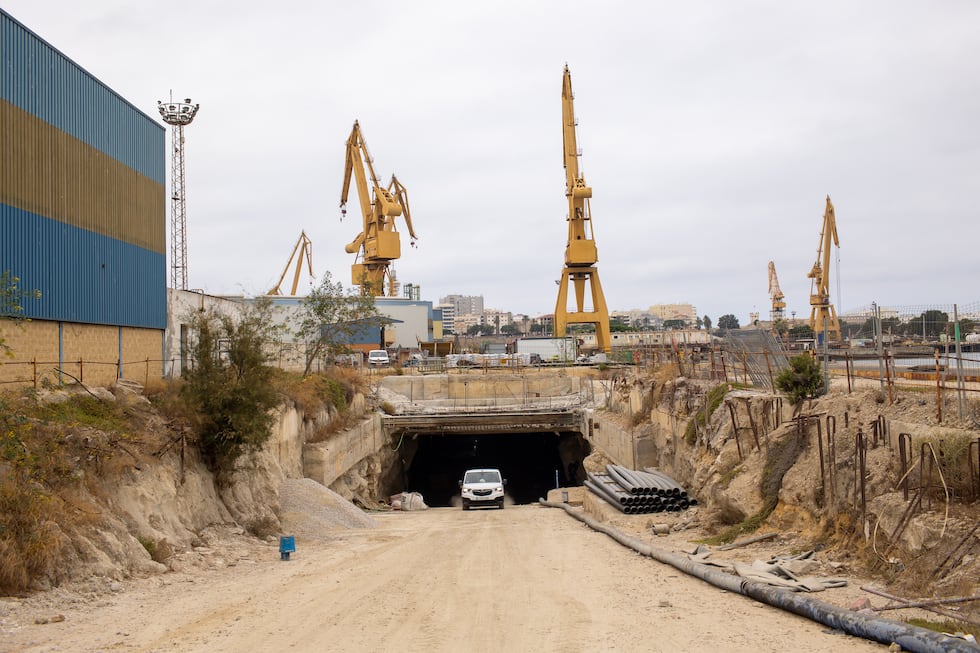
(152, 505)
(822, 496)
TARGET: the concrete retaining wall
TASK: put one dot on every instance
(509, 388)
(327, 461)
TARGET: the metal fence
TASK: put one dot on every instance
(919, 346)
(932, 349)
(37, 373)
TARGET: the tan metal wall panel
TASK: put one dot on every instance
(52, 174)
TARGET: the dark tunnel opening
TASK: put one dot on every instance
(531, 463)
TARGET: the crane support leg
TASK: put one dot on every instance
(598, 316)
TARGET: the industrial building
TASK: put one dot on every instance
(82, 219)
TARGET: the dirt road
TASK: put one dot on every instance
(527, 578)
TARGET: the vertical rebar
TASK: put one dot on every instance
(880, 346)
(860, 469)
(975, 478)
(823, 474)
(960, 385)
(752, 425)
(904, 451)
(890, 373)
(925, 478)
(738, 444)
(772, 383)
(832, 457)
(939, 390)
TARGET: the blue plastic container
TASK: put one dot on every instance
(287, 545)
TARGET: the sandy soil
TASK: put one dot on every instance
(527, 578)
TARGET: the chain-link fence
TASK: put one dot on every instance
(933, 349)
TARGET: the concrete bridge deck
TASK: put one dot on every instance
(567, 419)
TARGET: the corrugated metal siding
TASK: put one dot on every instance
(45, 83)
(48, 172)
(83, 276)
(82, 190)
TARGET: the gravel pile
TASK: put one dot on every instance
(309, 510)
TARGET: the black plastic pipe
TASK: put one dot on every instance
(666, 482)
(625, 482)
(910, 638)
(603, 494)
(610, 487)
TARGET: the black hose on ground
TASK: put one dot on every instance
(910, 638)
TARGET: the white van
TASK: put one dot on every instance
(482, 487)
(378, 358)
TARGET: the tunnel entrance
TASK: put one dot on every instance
(531, 463)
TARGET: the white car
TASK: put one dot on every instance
(482, 487)
(378, 358)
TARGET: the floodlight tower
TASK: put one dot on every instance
(177, 115)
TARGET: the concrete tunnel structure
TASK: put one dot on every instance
(531, 427)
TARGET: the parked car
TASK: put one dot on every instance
(378, 358)
(482, 487)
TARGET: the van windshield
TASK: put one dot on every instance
(485, 476)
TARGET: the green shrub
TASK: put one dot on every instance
(801, 380)
(231, 386)
(148, 543)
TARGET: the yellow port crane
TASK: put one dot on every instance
(378, 244)
(302, 251)
(776, 295)
(823, 316)
(581, 254)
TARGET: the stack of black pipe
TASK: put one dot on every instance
(636, 493)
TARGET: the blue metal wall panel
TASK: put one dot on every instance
(83, 276)
(39, 79)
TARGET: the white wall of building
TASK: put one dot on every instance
(415, 318)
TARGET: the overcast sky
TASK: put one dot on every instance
(711, 133)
